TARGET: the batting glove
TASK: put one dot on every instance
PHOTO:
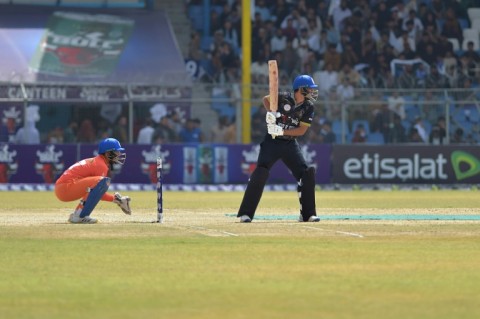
(275, 130)
(271, 117)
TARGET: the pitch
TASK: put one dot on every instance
(202, 263)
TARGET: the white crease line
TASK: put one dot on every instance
(337, 231)
(214, 230)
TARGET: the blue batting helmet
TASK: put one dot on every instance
(109, 144)
(304, 81)
(112, 150)
(307, 87)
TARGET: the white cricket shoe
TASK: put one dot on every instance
(311, 219)
(245, 219)
(76, 219)
(123, 202)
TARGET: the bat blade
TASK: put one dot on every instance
(273, 84)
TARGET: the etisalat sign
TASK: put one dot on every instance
(406, 164)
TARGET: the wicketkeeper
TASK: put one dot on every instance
(88, 181)
(294, 116)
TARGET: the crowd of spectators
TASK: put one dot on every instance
(351, 47)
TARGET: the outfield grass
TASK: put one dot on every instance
(203, 264)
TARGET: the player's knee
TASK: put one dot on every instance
(308, 173)
(260, 174)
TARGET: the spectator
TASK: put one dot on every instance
(119, 131)
(458, 136)
(396, 104)
(260, 44)
(191, 133)
(258, 125)
(415, 20)
(145, 135)
(70, 133)
(333, 35)
(327, 79)
(259, 70)
(428, 55)
(314, 23)
(339, 15)
(397, 132)
(368, 53)
(230, 34)
(55, 136)
(194, 47)
(435, 80)
(230, 63)
(327, 135)
(215, 22)
(438, 133)
(290, 31)
(164, 133)
(349, 74)
(279, 12)
(421, 75)
(278, 41)
(175, 120)
(104, 129)
(471, 61)
(321, 10)
(262, 10)
(382, 119)
(359, 135)
(332, 57)
(451, 27)
(431, 107)
(420, 129)
(349, 56)
(407, 80)
(319, 44)
(296, 19)
(86, 132)
(345, 90)
(219, 131)
(291, 61)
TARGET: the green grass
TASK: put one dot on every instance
(125, 267)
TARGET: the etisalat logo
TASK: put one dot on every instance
(149, 163)
(460, 160)
(369, 166)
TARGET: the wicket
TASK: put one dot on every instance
(159, 191)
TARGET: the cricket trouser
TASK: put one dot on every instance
(79, 189)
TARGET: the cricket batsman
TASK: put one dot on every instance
(293, 118)
(88, 181)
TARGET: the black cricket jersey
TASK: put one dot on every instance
(290, 115)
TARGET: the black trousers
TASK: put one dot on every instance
(286, 150)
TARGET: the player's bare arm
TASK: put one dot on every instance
(297, 131)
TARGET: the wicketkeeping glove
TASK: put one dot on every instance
(271, 117)
(274, 130)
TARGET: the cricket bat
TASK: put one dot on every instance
(273, 85)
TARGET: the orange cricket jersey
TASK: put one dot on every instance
(78, 179)
(95, 166)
